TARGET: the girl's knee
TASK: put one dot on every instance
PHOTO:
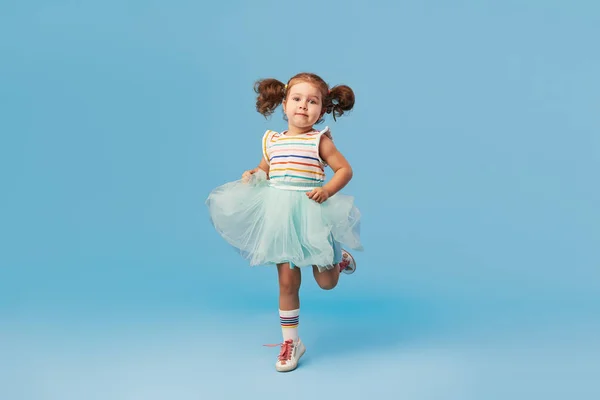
(289, 279)
(327, 284)
(288, 286)
(328, 279)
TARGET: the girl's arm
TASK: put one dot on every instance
(338, 163)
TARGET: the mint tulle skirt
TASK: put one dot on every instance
(270, 224)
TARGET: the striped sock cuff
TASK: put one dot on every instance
(289, 319)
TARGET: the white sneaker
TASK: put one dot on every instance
(289, 355)
(347, 265)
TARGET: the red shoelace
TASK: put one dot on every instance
(285, 353)
(344, 264)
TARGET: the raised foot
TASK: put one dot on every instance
(348, 264)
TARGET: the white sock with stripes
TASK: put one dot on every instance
(289, 323)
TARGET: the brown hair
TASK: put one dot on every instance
(271, 93)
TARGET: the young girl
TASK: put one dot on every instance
(283, 212)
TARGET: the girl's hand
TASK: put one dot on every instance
(247, 174)
(262, 165)
(318, 194)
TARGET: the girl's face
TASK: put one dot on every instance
(303, 105)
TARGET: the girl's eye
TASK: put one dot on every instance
(313, 102)
(296, 98)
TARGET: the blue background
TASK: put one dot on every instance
(476, 152)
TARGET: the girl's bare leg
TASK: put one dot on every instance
(327, 279)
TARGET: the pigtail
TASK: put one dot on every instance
(271, 93)
(339, 100)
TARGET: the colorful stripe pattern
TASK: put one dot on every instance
(294, 158)
(289, 322)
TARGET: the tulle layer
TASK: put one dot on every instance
(270, 225)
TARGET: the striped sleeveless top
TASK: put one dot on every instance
(294, 161)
